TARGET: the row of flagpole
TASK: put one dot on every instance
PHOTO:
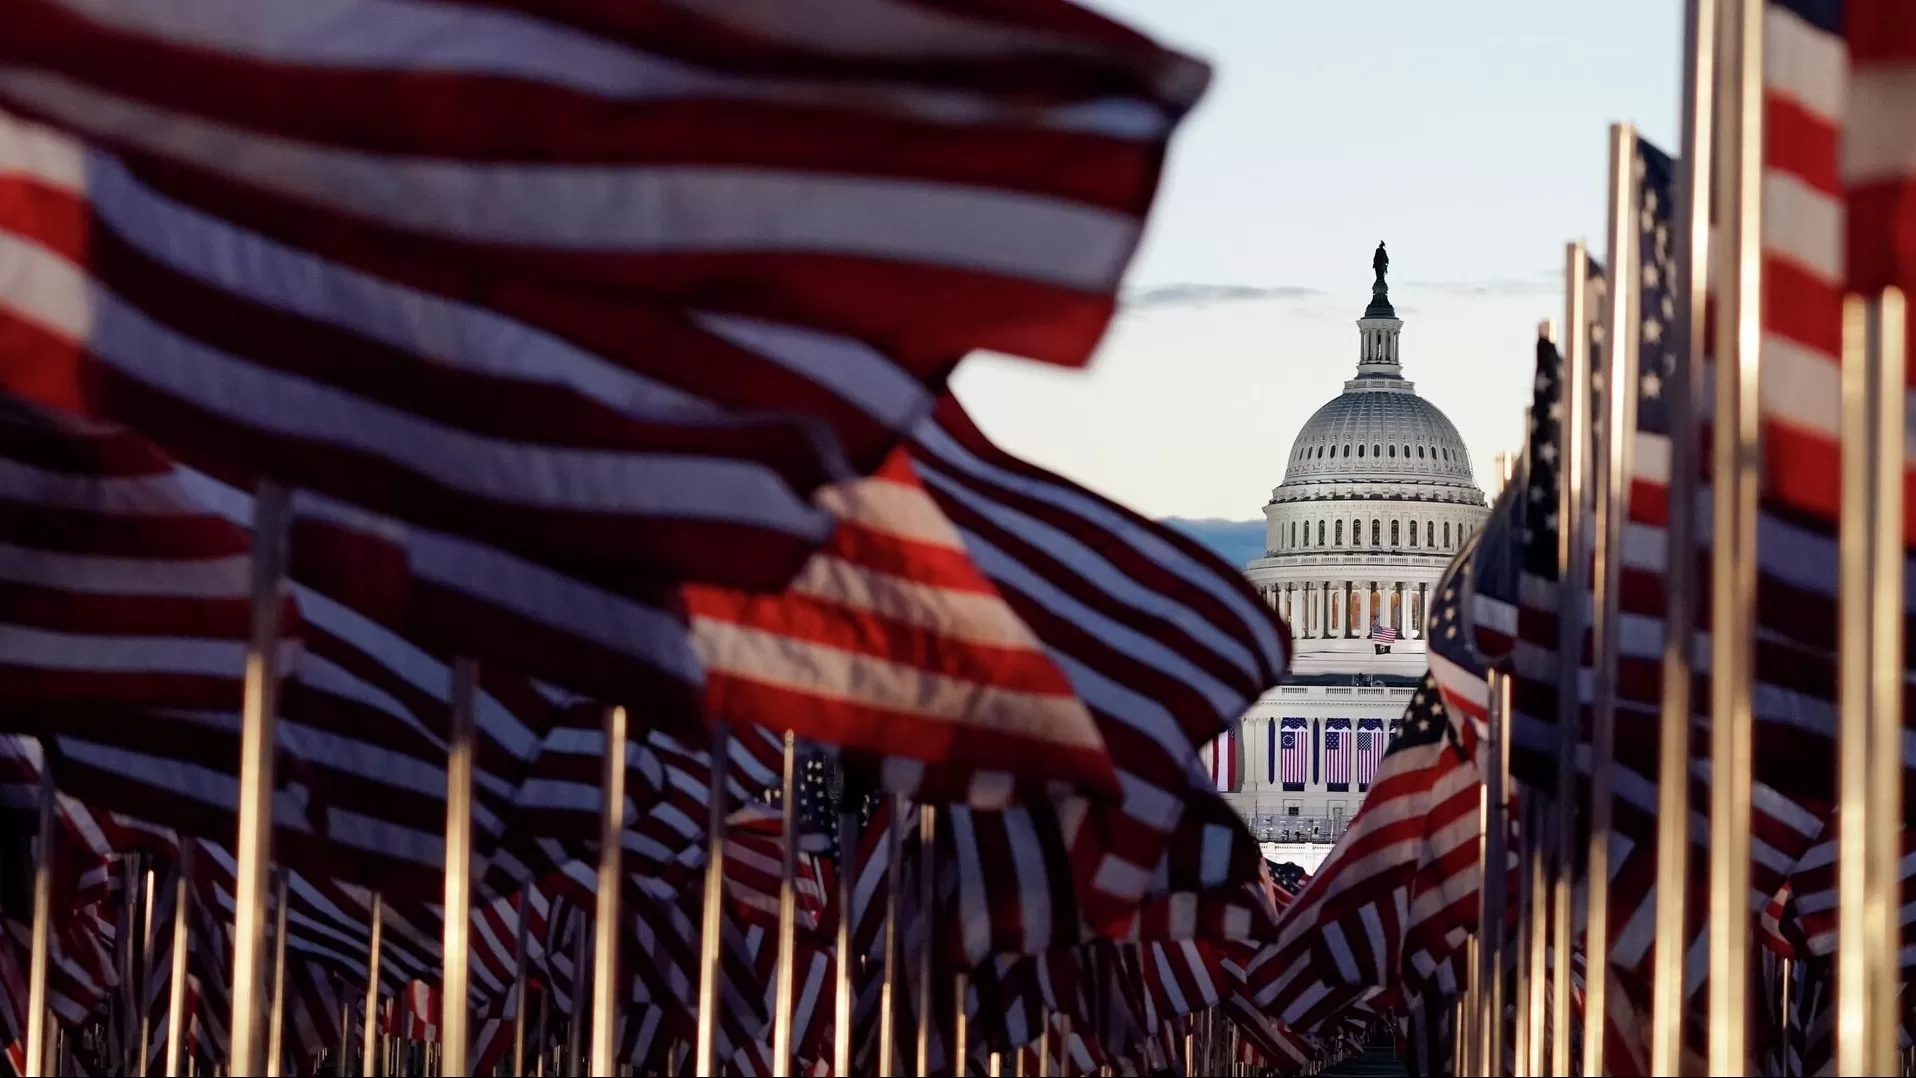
(1722, 166)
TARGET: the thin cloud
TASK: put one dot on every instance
(1540, 283)
(1187, 294)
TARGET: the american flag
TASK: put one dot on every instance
(1369, 750)
(1337, 753)
(1293, 753)
(1382, 632)
(1221, 760)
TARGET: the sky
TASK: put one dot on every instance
(1469, 135)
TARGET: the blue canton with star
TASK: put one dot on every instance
(1660, 332)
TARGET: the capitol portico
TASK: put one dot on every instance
(1378, 493)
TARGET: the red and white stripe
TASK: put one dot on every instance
(891, 641)
(482, 220)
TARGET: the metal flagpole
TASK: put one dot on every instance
(276, 1015)
(1887, 332)
(176, 989)
(345, 1030)
(894, 905)
(783, 974)
(1539, 975)
(1869, 701)
(1613, 463)
(1573, 576)
(455, 998)
(39, 956)
(848, 869)
(927, 900)
(713, 922)
(369, 1060)
(1488, 1017)
(519, 984)
(575, 1031)
(960, 1023)
(1736, 471)
(146, 958)
(606, 934)
(1683, 391)
(128, 946)
(258, 723)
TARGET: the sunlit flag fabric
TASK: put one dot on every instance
(1294, 753)
(489, 324)
(891, 641)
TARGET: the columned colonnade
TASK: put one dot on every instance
(1316, 609)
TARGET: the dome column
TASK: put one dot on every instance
(1368, 602)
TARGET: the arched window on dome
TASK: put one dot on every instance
(1396, 538)
(1406, 450)
(1420, 452)
(1376, 450)
(1293, 534)
(1393, 452)
(1320, 533)
(1413, 533)
(1430, 533)
(1375, 532)
(1357, 532)
(1446, 535)
(1340, 533)
(1360, 451)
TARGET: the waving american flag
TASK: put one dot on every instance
(1293, 753)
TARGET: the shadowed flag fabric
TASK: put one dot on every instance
(580, 281)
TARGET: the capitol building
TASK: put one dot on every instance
(1377, 495)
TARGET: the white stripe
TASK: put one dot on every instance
(1879, 143)
(1803, 63)
(614, 208)
(854, 371)
(1803, 224)
(96, 574)
(22, 645)
(46, 289)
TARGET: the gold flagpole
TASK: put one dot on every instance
(1888, 341)
(888, 974)
(519, 987)
(1683, 393)
(258, 740)
(369, 1051)
(960, 1022)
(1488, 1020)
(1737, 464)
(146, 958)
(40, 947)
(927, 900)
(176, 990)
(276, 1016)
(713, 922)
(455, 961)
(581, 1000)
(1573, 576)
(848, 869)
(606, 933)
(1613, 471)
(783, 974)
(1869, 703)
(1539, 978)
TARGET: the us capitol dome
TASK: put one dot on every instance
(1377, 495)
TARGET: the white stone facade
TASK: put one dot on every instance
(1378, 494)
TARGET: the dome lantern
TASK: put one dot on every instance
(1377, 331)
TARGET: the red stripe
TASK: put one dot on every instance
(1800, 143)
